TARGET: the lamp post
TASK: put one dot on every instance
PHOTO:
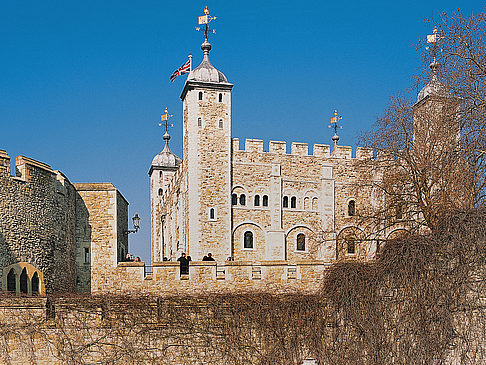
(136, 224)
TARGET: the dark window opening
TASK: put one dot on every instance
(265, 200)
(23, 281)
(199, 122)
(301, 242)
(220, 98)
(86, 255)
(242, 199)
(234, 199)
(351, 242)
(351, 208)
(11, 281)
(211, 213)
(248, 239)
(221, 123)
(285, 201)
(293, 202)
(161, 191)
(35, 284)
(200, 95)
(257, 201)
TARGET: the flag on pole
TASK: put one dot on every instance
(184, 69)
(334, 119)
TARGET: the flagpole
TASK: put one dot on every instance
(190, 62)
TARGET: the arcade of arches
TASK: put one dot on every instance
(23, 278)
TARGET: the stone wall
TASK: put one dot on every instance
(37, 221)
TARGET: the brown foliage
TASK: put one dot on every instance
(420, 302)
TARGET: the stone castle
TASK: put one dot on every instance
(271, 220)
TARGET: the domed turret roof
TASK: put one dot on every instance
(206, 72)
(434, 86)
(166, 159)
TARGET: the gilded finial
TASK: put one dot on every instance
(165, 118)
(334, 124)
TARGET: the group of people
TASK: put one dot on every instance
(184, 262)
(130, 257)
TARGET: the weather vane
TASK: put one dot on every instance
(334, 124)
(205, 19)
(165, 118)
(433, 38)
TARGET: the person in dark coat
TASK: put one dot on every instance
(184, 264)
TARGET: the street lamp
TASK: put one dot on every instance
(136, 224)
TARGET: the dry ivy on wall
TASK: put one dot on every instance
(420, 302)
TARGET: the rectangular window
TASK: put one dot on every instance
(86, 255)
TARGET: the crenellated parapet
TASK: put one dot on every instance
(302, 149)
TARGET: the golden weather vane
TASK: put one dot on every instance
(165, 118)
(334, 124)
(433, 38)
(205, 20)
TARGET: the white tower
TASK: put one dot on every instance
(206, 101)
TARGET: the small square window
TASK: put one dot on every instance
(86, 255)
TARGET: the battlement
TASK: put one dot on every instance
(302, 149)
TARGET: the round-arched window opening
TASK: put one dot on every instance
(199, 122)
(301, 242)
(242, 199)
(265, 200)
(293, 202)
(11, 281)
(221, 123)
(234, 199)
(351, 243)
(285, 201)
(200, 95)
(211, 213)
(257, 201)
(220, 98)
(351, 208)
(248, 239)
(161, 191)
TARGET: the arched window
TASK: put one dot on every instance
(35, 284)
(257, 201)
(11, 281)
(242, 199)
(314, 204)
(221, 123)
(199, 122)
(248, 239)
(351, 208)
(301, 242)
(161, 191)
(200, 95)
(220, 97)
(285, 201)
(23, 281)
(351, 243)
(265, 200)
(234, 199)
(306, 203)
(293, 202)
(211, 213)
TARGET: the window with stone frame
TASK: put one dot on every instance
(242, 199)
(35, 284)
(161, 191)
(212, 214)
(220, 98)
(351, 208)
(301, 242)
(265, 201)
(351, 245)
(285, 202)
(23, 281)
(199, 122)
(86, 255)
(293, 202)
(248, 240)
(306, 203)
(221, 123)
(256, 202)
(234, 199)
(315, 205)
(200, 97)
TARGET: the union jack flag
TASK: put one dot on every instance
(184, 69)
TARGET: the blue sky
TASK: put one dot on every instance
(83, 83)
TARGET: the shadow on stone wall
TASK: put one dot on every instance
(83, 247)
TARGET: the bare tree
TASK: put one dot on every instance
(432, 151)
